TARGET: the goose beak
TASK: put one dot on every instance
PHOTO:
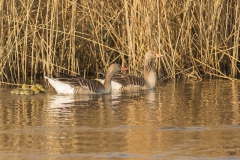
(159, 55)
(123, 69)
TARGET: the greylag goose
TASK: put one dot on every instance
(130, 82)
(78, 85)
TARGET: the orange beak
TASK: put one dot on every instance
(123, 69)
(159, 55)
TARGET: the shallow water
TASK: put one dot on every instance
(185, 120)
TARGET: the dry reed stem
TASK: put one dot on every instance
(42, 37)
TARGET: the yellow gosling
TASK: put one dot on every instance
(28, 92)
(22, 91)
(24, 86)
(40, 88)
(35, 89)
(16, 91)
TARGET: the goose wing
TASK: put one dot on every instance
(128, 79)
(82, 85)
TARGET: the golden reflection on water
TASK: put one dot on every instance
(182, 120)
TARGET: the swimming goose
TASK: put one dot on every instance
(130, 82)
(78, 85)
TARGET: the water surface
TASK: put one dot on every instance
(185, 120)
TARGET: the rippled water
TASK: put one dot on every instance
(185, 120)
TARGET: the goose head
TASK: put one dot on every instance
(151, 55)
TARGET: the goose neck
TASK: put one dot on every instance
(107, 82)
(149, 74)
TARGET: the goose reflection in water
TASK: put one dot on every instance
(61, 103)
(143, 98)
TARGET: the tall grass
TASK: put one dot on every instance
(40, 37)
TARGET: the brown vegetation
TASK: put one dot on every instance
(39, 37)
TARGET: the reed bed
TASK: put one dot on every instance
(40, 37)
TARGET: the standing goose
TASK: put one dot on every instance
(78, 85)
(127, 82)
